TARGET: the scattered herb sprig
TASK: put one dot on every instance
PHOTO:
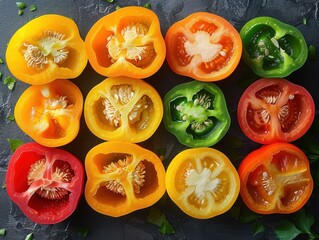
(10, 82)
(29, 236)
(14, 143)
(158, 218)
(301, 223)
(3, 232)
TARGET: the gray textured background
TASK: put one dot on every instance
(134, 226)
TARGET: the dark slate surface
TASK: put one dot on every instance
(135, 226)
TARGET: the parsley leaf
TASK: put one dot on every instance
(33, 8)
(287, 230)
(1, 61)
(301, 224)
(258, 228)
(11, 118)
(147, 5)
(83, 231)
(29, 236)
(158, 218)
(3, 232)
(10, 82)
(166, 227)
(312, 53)
(155, 216)
(14, 143)
(21, 5)
(243, 214)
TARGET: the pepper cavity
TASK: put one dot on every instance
(62, 173)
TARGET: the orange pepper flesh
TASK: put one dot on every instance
(50, 113)
(127, 42)
(122, 177)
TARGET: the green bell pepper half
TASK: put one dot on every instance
(196, 113)
(272, 48)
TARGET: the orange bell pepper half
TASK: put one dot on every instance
(46, 48)
(122, 178)
(275, 178)
(203, 46)
(50, 113)
(127, 42)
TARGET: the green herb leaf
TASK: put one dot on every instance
(243, 214)
(20, 12)
(110, 1)
(117, 7)
(161, 153)
(83, 231)
(21, 5)
(258, 228)
(33, 8)
(3, 232)
(4, 186)
(312, 53)
(166, 228)
(304, 21)
(14, 144)
(11, 118)
(29, 236)
(287, 230)
(147, 5)
(304, 221)
(10, 82)
(0, 74)
(156, 217)
(1, 61)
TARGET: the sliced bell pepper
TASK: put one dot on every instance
(202, 182)
(203, 46)
(196, 113)
(123, 109)
(46, 183)
(127, 42)
(272, 48)
(275, 178)
(275, 110)
(122, 177)
(46, 48)
(50, 113)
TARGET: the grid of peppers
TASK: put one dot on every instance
(124, 110)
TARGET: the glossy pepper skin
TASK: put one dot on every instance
(50, 113)
(196, 113)
(202, 182)
(46, 48)
(123, 109)
(122, 177)
(272, 48)
(46, 183)
(275, 178)
(127, 42)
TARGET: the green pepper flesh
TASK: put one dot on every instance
(196, 113)
(272, 48)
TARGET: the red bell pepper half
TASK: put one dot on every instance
(46, 183)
